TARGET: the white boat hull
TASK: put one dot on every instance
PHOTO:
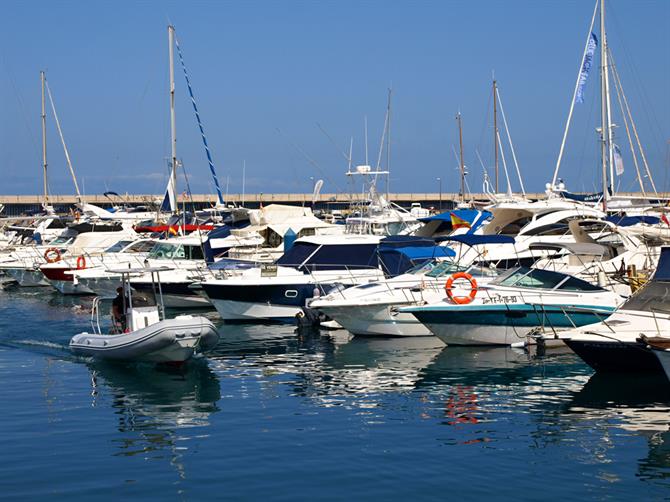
(250, 311)
(474, 334)
(377, 320)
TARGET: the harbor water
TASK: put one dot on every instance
(277, 414)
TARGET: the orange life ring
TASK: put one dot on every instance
(81, 262)
(461, 300)
(48, 255)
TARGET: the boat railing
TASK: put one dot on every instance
(95, 316)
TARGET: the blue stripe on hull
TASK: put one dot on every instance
(521, 316)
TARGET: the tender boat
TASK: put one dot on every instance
(148, 336)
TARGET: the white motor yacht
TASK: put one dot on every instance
(507, 310)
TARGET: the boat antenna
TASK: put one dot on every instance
(62, 140)
(244, 179)
(44, 142)
(461, 163)
(365, 121)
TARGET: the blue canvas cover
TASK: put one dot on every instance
(475, 240)
(627, 221)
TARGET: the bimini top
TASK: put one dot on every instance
(475, 240)
(655, 295)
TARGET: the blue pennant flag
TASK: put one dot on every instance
(586, 67)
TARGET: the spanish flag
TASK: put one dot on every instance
(457, 222)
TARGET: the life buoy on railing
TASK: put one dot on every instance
(52, 255)
(461, 300)
(81, 262)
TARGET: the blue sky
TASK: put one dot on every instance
(263, 67)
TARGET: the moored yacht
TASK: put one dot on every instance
(615, 344)
(509, 309)
(312, 267)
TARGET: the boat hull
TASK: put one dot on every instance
(495, 326)
(613, 356)
(104, 287)
(663, 357)
(236, 311)
(169, 341)
(67, 287)
(376, 320)
(27, 278)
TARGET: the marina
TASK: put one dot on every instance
(374, 331)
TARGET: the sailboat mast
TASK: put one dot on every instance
(604, 108)
(173, 123)
(462, 166)
(44, 142)
(495, 131)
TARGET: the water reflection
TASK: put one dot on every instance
(639, 405)
(150, 397)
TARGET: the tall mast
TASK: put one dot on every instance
(495, 131)
(173, 124)
(44, 142)
(462, 166)
(604, 106)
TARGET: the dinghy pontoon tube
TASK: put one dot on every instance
(149, 336)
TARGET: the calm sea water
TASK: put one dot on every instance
(278, 415)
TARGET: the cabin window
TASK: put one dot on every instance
(553, 229)
(117, 247)
(290, 293)
(195, 253)
(165, 251)
(141, 247)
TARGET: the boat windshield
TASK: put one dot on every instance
(61, 241)
(115, 248)
(166, 251)
(143, 299)
(653, 297)
(534, 278)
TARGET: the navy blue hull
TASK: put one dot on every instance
(616, 357)
(281, 294)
